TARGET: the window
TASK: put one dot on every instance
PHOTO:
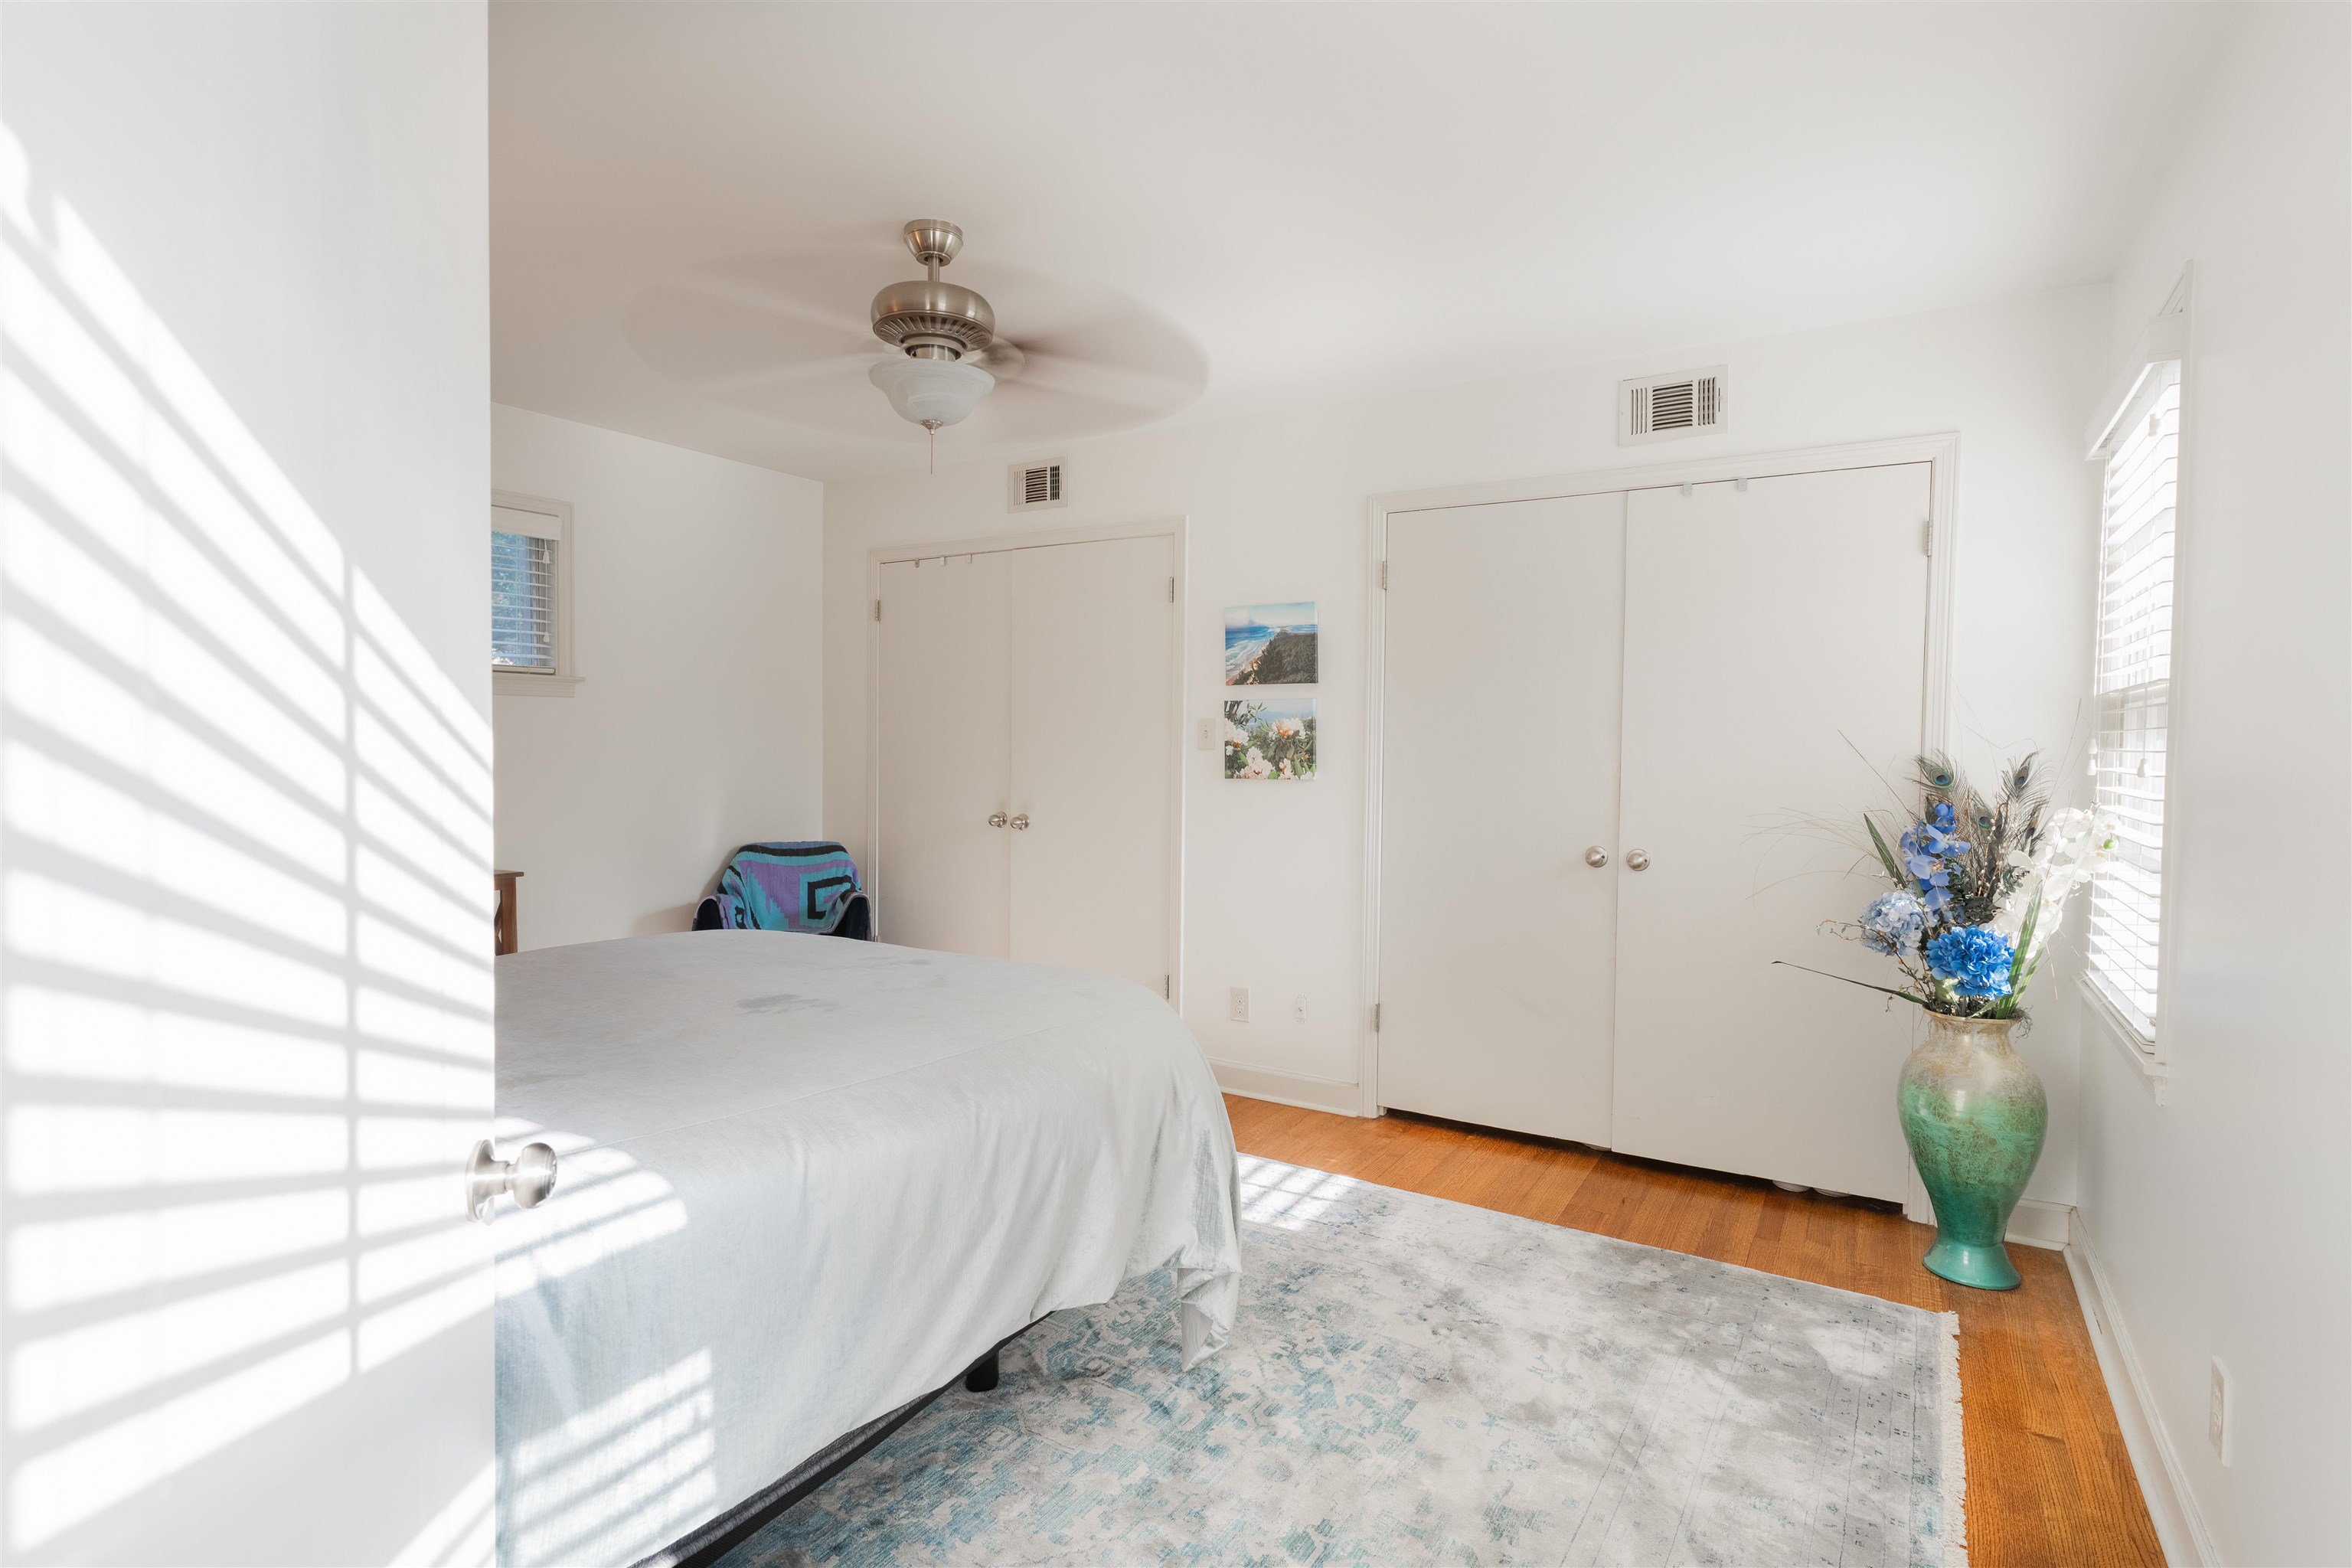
(2134, 685)
(523, 601)
(530, 599)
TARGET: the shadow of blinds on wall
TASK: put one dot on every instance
(247, 975)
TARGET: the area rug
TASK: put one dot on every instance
(1413, 1381)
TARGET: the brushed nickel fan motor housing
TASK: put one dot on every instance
(925, 317)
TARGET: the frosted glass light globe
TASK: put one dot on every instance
(931, 392)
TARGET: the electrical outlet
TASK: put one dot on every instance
(2217, 1413)
(1237, 1004)
(1299, 1008)
(1207, 739)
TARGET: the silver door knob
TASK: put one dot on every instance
(1021, 821)
(1596, 856)
(1637, 859)
(527, 1178)
(997, 820)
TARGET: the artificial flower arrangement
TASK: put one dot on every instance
(1980, 888)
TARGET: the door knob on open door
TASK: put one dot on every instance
(1021, 821)
(1637, 859)
(1596, 856)
(997, 819)
(527, 1178)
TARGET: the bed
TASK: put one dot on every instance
(803, 1183)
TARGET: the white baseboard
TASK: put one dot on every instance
(2181, 1527)
(1288, 1088)
(2038, 1222)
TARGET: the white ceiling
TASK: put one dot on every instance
(1247, 205)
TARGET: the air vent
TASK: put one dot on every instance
(1663, 408)
(1035, 486)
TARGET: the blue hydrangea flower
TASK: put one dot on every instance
(1973, 960)
(1894, 923)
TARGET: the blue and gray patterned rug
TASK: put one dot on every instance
(1413, 1381)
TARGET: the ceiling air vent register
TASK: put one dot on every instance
(1033, 486)
(1664, 407)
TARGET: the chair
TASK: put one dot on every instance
(802, 886)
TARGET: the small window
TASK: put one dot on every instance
(530, 599)
(2134, 688)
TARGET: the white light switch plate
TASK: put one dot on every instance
(1207, 741)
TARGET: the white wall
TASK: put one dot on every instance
(2219, 1215)
(1278, 511)
(697, 728)
(246, 786)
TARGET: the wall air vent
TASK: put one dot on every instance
(1663, 408)
(1035, 487)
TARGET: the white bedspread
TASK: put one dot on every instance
(803, 1181)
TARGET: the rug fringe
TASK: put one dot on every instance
(1956, 1458)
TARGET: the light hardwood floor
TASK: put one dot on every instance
(2049, 1481)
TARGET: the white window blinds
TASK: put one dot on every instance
(522, 601)
(2134, 683)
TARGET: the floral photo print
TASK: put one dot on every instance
(1270, 738)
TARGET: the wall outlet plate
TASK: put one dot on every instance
(1207, 737)
(1237, 1004)
(1299, 1008)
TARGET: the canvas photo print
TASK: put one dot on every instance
(1270, 738)
(1270, 645)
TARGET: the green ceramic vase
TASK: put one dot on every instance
(1975, 1115)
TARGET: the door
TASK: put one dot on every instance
(1775, 647)
(941, 870)
(1092, 742)
(1504, 631)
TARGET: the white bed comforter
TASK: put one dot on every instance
(803, 1181)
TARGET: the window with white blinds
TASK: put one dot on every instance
(522, 601)
(2133, 684)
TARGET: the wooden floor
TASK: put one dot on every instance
(2049, 1481)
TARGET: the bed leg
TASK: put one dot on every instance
(981, 1375)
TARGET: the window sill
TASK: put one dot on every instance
(2105, 1018)
(515, 683)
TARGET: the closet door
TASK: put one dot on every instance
(1774, 656)
(1498, 775)
(1092, 756)
(942, 871)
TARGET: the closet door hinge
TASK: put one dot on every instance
(1171, 996)
(878, 609)
(1376, 1017)
(1927, 537)
(1385, 577)
(1171, 590)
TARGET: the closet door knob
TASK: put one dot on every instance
(1596, 856)
(997, 820)
(1021, 822)
(1637, 859)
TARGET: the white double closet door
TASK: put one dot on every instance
(1685, 683)
(1026, 756)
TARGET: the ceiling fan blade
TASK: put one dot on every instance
(777, 378)
(1126, 385)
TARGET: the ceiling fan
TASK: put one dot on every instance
(944, 334)
(780, 334)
